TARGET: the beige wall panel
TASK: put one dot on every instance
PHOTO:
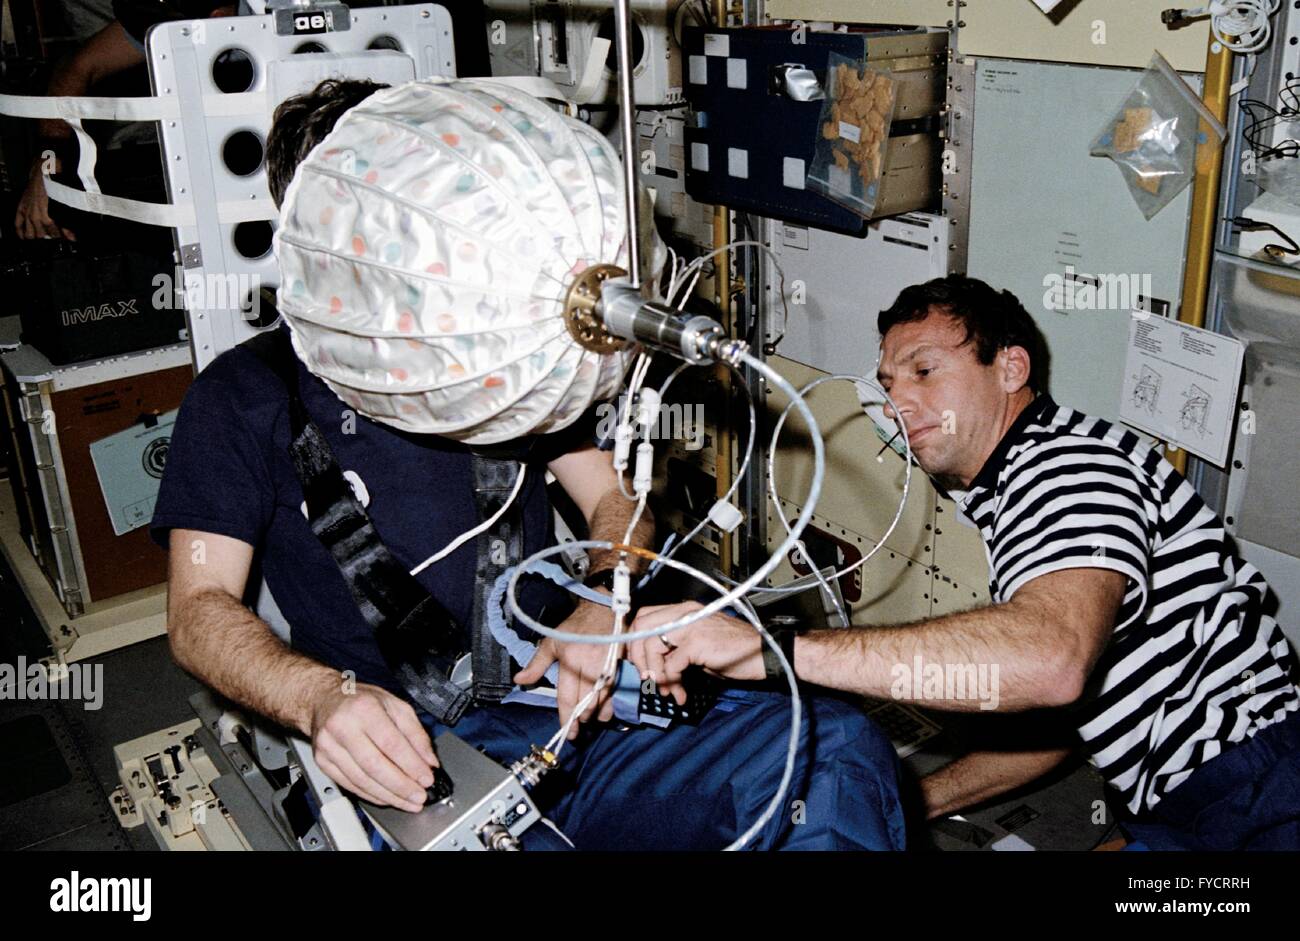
(948, 596)
(959, 560)
(1016, 29)
(859, 494)
(895, 589)
(887, 12)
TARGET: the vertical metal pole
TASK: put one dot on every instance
(725, 448)
(1205, 204)
(627, 112)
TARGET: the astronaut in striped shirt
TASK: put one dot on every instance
(1122, 622)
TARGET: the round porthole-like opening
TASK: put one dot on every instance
(242, 153)
(253, 239)
(385, 42)
(606, 31)
(309, 47)
(233, 70)
(258, 307)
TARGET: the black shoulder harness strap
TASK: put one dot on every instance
(419, 640)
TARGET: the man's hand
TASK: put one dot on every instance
(722, 645)
(580, 665)
(371, 742)
(32, 220)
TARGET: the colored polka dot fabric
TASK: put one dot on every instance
(425, 248)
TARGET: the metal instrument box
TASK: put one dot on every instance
(55, 413)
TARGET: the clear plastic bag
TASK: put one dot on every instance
(853, 134)
(1153, 136)
(1281, 175)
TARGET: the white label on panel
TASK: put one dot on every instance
(736, 73)
(793, 172)
(717, 44)
(1180, 383)
(700, 156)
(699, 67)
(738, 162)
(794, 236)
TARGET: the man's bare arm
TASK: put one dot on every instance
(1044, 643)
(588, 476)
(981, 775)
(365, 738)
(225, 645)
(107, 52)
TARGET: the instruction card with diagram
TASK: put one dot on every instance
(130, 466)
(1180, 384)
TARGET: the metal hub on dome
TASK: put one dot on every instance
(580, 310)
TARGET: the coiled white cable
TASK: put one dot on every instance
(1242, 26)
(776, 502)
(739, 591)
(733, 596)
(796, 702)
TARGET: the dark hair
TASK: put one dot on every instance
(993, 319)
(302, 121)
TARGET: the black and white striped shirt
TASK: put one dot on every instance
(1194, 664)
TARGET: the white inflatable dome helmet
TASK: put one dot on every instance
(426, 247)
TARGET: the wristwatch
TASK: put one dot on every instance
(602, 579)
(784, 629)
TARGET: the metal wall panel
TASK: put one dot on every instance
(1040, 204)
(883, 12)
(1014, 29)
(844, 282)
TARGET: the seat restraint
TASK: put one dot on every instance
(499, 547)
(417, 637)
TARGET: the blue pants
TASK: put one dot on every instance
(1246, 798)
(699, 787)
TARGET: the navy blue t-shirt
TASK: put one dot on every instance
(229, 472)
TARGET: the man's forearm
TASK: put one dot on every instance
(979, 776)
(609, 523)
(1003, 651)
(106, 53)
(228, 647)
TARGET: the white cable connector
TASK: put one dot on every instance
(725, 516)
(622, 446)
(647, 409)
(645, 465)
(622, 590)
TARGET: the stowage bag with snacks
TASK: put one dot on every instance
(853, 135)
(1155, 136)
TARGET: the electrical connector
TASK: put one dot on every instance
(647, 408)
(622, 589)
(622, 446)
(645, 461)
(725, 516)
